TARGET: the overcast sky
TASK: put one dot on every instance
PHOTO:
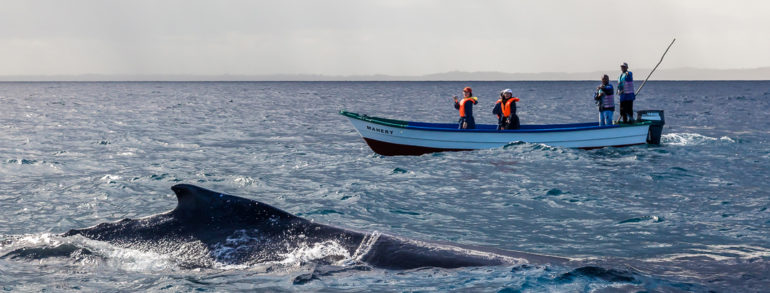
(359, 37)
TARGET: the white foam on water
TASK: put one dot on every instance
(727, 139)
(110, 177)
(296, 259)
(116, 257)
(245, 181)
(736, 251)
(229, 252)
(44, 239)
(126, 259)
(720, 253)
(684, 139)
(132, 259)
(317, 251)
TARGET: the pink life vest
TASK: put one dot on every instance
(608, 101)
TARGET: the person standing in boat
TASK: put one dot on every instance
(498, 111)
(465, 106)
(605, 98)
(626, 92)
(505, 109)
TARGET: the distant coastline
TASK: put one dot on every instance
(762, 73)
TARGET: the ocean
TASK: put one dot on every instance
(688, 215)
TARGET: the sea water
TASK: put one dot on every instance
(690, 214)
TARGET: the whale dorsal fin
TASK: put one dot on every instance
(199, 203)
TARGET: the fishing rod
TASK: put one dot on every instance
(656, 67)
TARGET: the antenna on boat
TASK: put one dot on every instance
(656, 67)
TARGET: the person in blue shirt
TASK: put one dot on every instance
(605, 98)
(626, 92)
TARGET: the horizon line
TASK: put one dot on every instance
(676, 74)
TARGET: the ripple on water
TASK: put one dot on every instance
(403, 212)
(651, 219)
(21, 161)
(321, 212)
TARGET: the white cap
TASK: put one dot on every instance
(507, 91)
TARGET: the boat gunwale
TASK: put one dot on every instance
(406, 125)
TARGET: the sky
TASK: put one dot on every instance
(390, 37)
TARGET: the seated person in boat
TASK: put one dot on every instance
(465, 106)
(605, 98)
(505, 109)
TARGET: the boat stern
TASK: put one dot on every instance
(656, 119)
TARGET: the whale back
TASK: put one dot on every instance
(207, 226)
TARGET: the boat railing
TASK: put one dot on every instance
(385, 121)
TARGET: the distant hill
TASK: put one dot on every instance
(762, 73)
(639, 74)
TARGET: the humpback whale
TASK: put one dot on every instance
(209, 227)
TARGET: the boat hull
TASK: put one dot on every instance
(393, 137)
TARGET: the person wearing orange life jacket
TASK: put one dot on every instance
(498, 111)
(505, 109)
(508, 108)
(465, 106)
(605, 98)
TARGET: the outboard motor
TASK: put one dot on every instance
(656, 128)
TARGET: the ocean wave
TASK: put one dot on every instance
(540, 150)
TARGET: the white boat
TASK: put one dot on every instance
(390, 137)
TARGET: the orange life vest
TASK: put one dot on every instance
(462, 104)
(507, 106)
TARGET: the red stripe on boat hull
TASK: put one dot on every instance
(394, 149)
